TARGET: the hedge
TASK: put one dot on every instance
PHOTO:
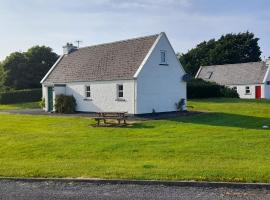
(198, 88)
(20, 96)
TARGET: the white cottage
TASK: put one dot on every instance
(250, 80)
(137, 76)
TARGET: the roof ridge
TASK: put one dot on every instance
(233, 64)
(120, 41)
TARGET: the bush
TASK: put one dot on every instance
(180, 106)
(65, 104)
(42, 103)
(20, 96)
(198, 88)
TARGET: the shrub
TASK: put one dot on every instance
(180, 106)
(20, 96)
(65, 104)
(198, 88)
(42, 103)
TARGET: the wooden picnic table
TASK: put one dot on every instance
(103, 116)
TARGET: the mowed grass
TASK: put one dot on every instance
(18, 106)
(226, 144)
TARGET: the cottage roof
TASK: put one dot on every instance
(234, 74)
(111, 61)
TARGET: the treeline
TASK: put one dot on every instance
(24, 70)
(228, 49)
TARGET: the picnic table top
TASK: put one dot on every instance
(111, 112)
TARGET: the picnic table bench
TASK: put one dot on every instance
(103, 116)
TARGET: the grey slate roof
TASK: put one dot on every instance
(234, 74)
(111, 61)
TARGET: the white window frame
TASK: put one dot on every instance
(118, 91)
(247, 90)
(163, 57)
(86, 92)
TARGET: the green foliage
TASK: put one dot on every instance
(198, 88)
(25, 70)
(65, 104)
(42, 103)
(19, 106)
(228, 49)
(18, 96)
(180, 105)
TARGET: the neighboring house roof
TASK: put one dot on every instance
(111, 61)
(234, 74)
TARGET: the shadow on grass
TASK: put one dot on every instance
(226, 120)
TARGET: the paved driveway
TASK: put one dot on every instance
(13, 190)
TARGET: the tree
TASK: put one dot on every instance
(1, 76)
(228, 49)
(25, 70)
(40, 60)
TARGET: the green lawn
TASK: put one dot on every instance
(19, 106)
(227, 144)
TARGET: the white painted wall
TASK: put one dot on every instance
(241, 90)
(45, 96)
(103, 96)
(159, 87)
(59, 90)
(267, 86)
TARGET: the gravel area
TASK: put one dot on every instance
(13, 190)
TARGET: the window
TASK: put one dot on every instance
(247, 90)
(234, 88)
(163, 59)
(87, 91)
(120, 91)
(268, 82)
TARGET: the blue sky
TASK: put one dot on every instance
(187, 22)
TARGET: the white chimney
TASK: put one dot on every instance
(267, 61)
(68, 48)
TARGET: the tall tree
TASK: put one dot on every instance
(40, 60)
(25, 70)
(228, 49)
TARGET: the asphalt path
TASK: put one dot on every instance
(50, 190)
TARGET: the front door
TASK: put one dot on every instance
(258, 92)
(50, 99)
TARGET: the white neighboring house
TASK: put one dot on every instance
(137, 76)
(250, 80)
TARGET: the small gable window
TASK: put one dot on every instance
(120, 91)
(87, 91)
(247, 90)
(163, 57)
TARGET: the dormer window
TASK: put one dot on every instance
(163, 57)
